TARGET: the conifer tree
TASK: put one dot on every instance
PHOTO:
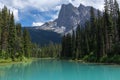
(26, 43)
(78, 42)
(92, 30)
(12, 36)
(19, 40)
(4, 27)
(73, 44)
(63, 47)
(1, 24)
(68, 47)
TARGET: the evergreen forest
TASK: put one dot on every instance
(98, 40)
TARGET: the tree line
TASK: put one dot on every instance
(15, 43)
(98, 40)
(51, 50)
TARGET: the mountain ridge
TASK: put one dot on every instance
(69, 17)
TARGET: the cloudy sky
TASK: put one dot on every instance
(36, 12)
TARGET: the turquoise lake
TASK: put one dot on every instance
(58, 70)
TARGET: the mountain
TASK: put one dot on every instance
(68, 18)
(43, 37)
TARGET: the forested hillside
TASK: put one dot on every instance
(43, 37)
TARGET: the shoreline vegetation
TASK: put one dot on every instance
(9, 61)
(87, 62)
(96, 63)
(26, 60)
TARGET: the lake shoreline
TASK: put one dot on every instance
(85, 62)
(9, 61)
(95, 63)
(6, 62)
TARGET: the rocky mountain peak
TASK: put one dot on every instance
(68, 18)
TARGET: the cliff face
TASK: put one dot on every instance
(68, 18)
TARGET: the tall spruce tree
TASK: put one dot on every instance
(115, 17)
(63, 47)
(26, 43)
(12, 37)
(68, 47)
(106, 25)
(73, 44)
(19, 40)
(1, 24)
(4, 27)
(92, 30)
(78, 42)
(118, 27)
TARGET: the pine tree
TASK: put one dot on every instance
(78, 42)
(92, 30)
(4, 27)
(4, 32)
(26, 43)
(68, 47)
(1, 24)
(12, 36)
(100, 41)
(106, 25)
(63, 46)
(73, 44)
(111, 25)
(86, 44)
(115, 17)
(19, 40)
(118, 27)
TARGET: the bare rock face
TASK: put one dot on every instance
(68, 18)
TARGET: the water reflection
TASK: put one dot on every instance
(58, 70)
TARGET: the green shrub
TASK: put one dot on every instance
(115, 59)
(104, 59)
(90, 58)
(86, 58)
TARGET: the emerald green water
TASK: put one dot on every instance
(58, 70)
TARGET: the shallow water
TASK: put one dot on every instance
(58, 70)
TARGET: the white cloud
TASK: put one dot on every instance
(99, 4)
(1, 5)
(57, 7)
(37, 23)
(95, 3)
(24, 6)
(43, 5)
(46, 5)
(14, 10)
